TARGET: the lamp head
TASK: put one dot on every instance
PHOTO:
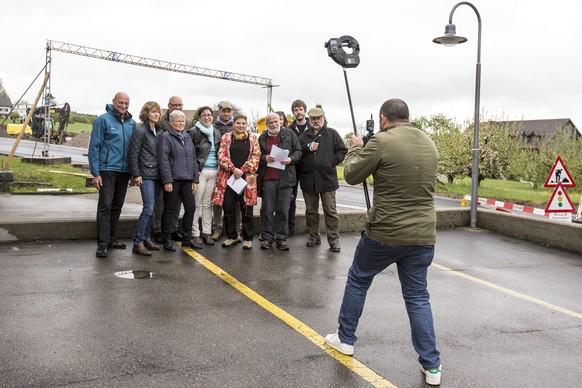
(450, 38)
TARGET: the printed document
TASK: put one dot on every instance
(279, 154)
(238, 185)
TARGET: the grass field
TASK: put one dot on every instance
(79, 127)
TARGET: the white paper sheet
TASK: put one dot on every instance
(238, 185)
(279, 154)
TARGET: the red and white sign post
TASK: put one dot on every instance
(560, 206)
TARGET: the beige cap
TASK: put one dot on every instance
(315, 112)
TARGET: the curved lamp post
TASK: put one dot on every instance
(450, 39)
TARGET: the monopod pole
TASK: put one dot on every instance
(364, 184)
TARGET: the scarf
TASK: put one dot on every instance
(240, 135)
(208, 131)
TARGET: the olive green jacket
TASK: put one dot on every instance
(403, 161)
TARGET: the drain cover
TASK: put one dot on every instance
(135, 274)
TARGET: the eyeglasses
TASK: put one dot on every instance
(206, 115)
(316, 118)
(176, 105)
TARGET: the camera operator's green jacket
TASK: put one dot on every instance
(403, 161)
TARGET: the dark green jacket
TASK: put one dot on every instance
(403, 161)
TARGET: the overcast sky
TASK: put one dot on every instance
(531, 56)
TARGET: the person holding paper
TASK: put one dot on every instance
(280, 151)
(238, 158)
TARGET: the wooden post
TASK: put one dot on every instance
(26, 121)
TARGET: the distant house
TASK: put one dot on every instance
(21, 108)
(5, 105)
(532, 133)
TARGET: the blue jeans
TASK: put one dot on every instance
(371, 258)
(149, 195)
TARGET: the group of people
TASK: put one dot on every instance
(200, 167)
(215, 170)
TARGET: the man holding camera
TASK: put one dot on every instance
(400, 228)
(323, 149)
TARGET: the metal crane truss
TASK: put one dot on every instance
(156, 63)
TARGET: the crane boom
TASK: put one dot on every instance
(156, 63)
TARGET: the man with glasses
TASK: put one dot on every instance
(323, 149)
(175, 103)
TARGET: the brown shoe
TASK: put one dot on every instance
(140, 249)
(152, 246)
(216, 234)
(207, 239)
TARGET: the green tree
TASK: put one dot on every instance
(497, 146)
(452, 144)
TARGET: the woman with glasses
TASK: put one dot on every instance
(179, 173)
(206, 139)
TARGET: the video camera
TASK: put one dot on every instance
(369, 130)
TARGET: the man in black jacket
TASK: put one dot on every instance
(299, 125)
(323, 149)
(276, 182)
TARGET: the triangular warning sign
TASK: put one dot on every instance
(559, 174)
(559, 201)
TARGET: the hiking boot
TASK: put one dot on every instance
(266, 245)
(247, 244)
(169, 246)
(198, 242)
(140, 249)
(101, 250)
(334, 341)
(335, 247)
(432, 376)
(216, 234)
(192, 244)
(229, 242)
(283, 246)
(113, 243)
(207, 239)
(313, 241)
(149, 244)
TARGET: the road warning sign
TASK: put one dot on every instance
(559, 175)
(559, 201)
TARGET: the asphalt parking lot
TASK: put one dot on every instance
(507, 314)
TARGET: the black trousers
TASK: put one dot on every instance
(229, 205)
(111, 199)
(182, 190)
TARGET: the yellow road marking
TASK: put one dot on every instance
(350, 362)
(510, 292)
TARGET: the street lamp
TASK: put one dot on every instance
(450, 39)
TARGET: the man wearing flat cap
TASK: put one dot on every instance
(323, 149)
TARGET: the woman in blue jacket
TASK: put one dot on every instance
(179, 172)
(143, 167)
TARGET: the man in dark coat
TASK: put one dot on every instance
(276, 183)
(323, 149)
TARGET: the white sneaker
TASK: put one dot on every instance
(432, 376)
(334, 341)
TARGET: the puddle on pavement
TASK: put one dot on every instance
(135, 274)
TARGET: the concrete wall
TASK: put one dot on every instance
(553, 233)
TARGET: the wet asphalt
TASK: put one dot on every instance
(508, 313)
